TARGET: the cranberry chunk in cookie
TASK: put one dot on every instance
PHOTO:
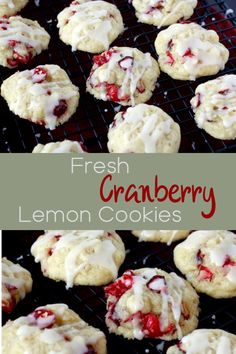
(150, 303)
(123, 75)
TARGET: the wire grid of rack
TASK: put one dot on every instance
(89, 302)
(90, 123)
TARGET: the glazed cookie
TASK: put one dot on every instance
(143, 128)
(91, 26)
(214, 106)
(90, 257)
(208, 260)
(165, 236)
(44, 95)
(163, 12)
(124, 75)
(20, 40)
(11, 7)
(205, 341)
(16, 283)
(151, 303)
(65, 146)
(188, 51)
(52, 329)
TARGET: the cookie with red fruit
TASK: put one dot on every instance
(52, 329)
(214, 106)
(60, 147)
(208, 260)
(163, 12)
(16, 283)
(188, 51)
(205, 341)
(151, 303)
(44, 95)
(20, 40)
(123, 75)
(11, 7)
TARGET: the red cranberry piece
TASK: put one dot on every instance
(141, 87)
(12, 43)
(179, 346)
(200, 256)
(205, 273)
(157, 284)
(8, 306)
(185, 311)
(90, 350)
(112, 92)
(170, 44)
(57, 237)
(171, 59)
(39, 75)
(121, 285)
(43, 318)
(224, 92)
(229, 262)
(103, 58)
(75, 3)
(188, 53)
(151, 325)
(60, 109)
(126, 63)
(12, 62)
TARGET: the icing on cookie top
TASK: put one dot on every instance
(44, 89)
(220, 249)
(78, 242)
(130, 62)
(148, 234)
(53, 329)
(146, 123)
(23, 37)
(169, 287)
(9, 3)
(220, 94)
(93, 19)
(206, 341)
(194, 50)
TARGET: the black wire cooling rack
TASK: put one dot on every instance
(90, 122)
(89, 302)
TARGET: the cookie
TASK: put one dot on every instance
(91, 26)
(90, 257)
(143, 128)
(205, 341)
(52, 329)
(150, 303)
(44, 95)
(214, 106)
(165, 236)
(20, 40)
(163, 12)
(65, 146)
(208, 260)
(16, 283)
(188, 51)
(123, 75)
(11, 7)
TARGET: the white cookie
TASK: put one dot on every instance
(52, 329)
(214, 106)
(150, 303)
(143, 128)
(44, 95)
(11, 7)
(65, 146)
(165, 236)
(208, 260)
(91, 26)
(188, 51)
(20, 40)
(206, 341)
(16, 283)
(163, 12)
(124, 75)
(90, 257)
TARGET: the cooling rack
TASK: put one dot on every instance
(90, 123)
(89, 302)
